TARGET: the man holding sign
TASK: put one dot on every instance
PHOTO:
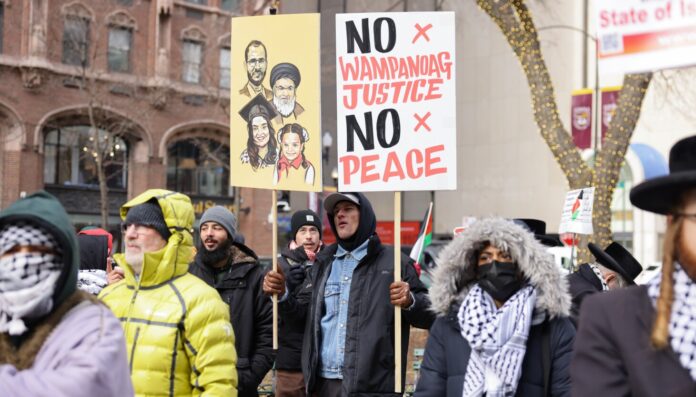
(348, 342)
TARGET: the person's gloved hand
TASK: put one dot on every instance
(295, 277)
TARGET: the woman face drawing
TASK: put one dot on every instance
(291, 145)
(259, 131)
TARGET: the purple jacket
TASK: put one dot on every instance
(85, 355)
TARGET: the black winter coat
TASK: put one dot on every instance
(447, 356)
(581, 284)
(291, 328)
(251, 314)
(369, 347)
(613, 355)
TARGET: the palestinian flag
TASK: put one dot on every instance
(575, 212)
(425, 236)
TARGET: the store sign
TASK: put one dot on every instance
(385, 231)
(639, 35)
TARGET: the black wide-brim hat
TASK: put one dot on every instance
(538, 227)
(617, 258)
(661, 195)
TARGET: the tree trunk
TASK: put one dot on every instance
(98, 157)
(516, 23)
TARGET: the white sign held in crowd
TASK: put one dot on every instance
(396, 107)
(638, 35)
(577, 212)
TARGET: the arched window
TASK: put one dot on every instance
(198, 166)
(70, 152)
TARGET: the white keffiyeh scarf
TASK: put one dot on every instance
(598, 273)
(498, 340)
(27, 279)
(682, 322)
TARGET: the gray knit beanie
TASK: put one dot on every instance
(149, 214)
(221, 216)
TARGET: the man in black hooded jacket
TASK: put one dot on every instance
(296, 261)
(348, 301)
(234, 271)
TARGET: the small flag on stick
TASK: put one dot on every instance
(425, 236)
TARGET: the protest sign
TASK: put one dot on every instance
(275, 135)
(638, 35)
(396, 107)
(577, 212)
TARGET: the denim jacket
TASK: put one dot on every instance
(336, 297)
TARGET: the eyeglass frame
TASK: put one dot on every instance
(125, 225)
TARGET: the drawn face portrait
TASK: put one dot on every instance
(284, 96)
(256, 64)
(259, 130)
(291, 145)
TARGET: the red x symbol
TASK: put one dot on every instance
(422, 32)
(421, 121)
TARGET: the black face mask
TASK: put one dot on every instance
(499, 279)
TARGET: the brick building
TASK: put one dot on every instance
(140, 85)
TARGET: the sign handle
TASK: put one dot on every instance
(397, 277)
(274, 215)
(572, 252)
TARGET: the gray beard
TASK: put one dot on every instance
(284, 107)
(135, 260)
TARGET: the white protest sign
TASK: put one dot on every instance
(638, 35)
(577, 212)
(396, 107)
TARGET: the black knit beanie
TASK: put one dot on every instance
(149, 214)
(305, 217)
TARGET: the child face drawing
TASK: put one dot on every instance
(291, 145)
(259, 129)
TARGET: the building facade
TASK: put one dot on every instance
(138, 86)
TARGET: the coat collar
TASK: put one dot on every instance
(455, 274)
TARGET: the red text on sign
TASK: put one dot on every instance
(415, 164)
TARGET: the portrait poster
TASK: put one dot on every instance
(396, 104)
(275, 103)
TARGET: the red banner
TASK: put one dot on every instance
(385, 231)
(581, 118)
(610, 95)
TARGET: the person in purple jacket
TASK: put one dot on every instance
(54, 339)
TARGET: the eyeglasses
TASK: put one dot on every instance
(139, 228)
(691, 217)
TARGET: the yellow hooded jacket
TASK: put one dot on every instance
(178, 333)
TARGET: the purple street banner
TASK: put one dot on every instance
(581, 118)
(610, 95)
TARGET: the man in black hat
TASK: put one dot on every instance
(348, 344)
(295, 260)
(285, 78)
(642, 340)
(256, 64)
(615, 268)
(538, 227)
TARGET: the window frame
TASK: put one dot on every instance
(178, 150)
(76, 161)
(129, 66)
(224, 71)
(66, 52)
(185, 63)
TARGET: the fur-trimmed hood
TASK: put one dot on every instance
(455, 273)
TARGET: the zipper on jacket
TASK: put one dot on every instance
(130, 310)
(135, 342)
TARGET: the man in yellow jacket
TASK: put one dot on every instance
(178, 333)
